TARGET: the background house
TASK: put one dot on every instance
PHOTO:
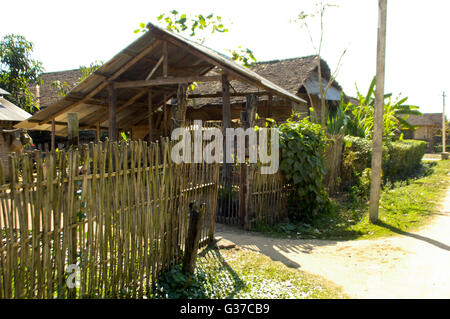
(428, 128)
(11, 139)
(299, 76)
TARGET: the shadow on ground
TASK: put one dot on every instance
(415, 236)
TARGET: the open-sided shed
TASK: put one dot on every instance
(131, 91)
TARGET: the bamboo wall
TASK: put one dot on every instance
(117, 210)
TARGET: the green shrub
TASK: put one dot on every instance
(302, 146)
(400, 160)
(405, 158)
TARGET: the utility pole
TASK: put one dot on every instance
(375, 185)
(443, 123)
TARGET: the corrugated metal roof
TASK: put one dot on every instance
(3, 92)
(313, 87)
(11, 112)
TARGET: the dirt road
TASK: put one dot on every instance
(409, 265)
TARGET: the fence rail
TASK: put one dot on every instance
(118, 211)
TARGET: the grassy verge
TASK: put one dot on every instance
(404, 206)
(239, 273)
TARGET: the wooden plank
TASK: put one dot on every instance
(167, 81)
(155, 68)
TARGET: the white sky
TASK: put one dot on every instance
(67, 34)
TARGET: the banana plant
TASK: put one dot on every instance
(395, 114)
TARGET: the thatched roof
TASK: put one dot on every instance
(47, 93)
(186, 59)
(290, 74)
(426, 119)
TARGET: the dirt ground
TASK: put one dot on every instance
(411, 265)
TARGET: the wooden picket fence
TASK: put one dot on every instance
(116, 210)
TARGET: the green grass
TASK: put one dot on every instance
(404, 206)
(240, 273)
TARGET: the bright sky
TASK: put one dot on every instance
(67, 34)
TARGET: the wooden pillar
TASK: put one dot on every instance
(166, 59)
(179, 111)
(73, 129)
(150, 117)
(112, 132)
(97, 132)
(269, 106)
(53, 148)
(226, 120)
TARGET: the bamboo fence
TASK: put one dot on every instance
(116, 210)
(269, 194)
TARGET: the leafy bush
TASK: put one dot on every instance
(404, 158)
(302, 145)
(400, 160)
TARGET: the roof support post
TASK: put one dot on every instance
(53, 135)
(73, 129)
(226, 120)
(97, 132)
(179, 111)
(166, 59)
(150, 117)
(112, 132)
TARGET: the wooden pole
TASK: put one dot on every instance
(112, 132)
(226, 120)
(166, 59)
(192, 240)
(97, 132)
(73, 129)
(150, 116)
(53, 134)
(375, 185)
(443, 123)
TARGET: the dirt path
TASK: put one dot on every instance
(410, 265)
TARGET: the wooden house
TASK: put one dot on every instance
(428, 126)
(299, 76)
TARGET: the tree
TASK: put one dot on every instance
(199, 27)
(18, 70)
(305, 19)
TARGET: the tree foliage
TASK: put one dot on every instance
(199, 27)
(395, 115)
(18, 70)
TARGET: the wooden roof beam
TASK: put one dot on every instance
(105, 81)
(166, 81)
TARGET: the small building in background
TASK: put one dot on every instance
(428, 129)
(11, 140)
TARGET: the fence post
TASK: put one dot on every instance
(193, 237)
(73, 128)
(243, 180)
